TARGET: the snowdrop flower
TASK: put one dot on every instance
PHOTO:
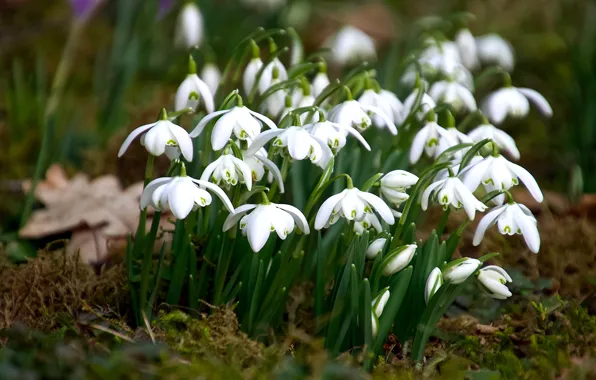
(431, 139)
(258, 162)
(427, 103)
(298, 142)
(320, 82)
(394, 185)
(440, 56)
(513, 101)
(493, 49)
(379, 302)
(181, 195)
(250, 72)
(433, 283)
(452, 192)
(384, 102)
(189, 30)
(264, 219)
(499, 137)
(454, 94)
(396, 107)
(211, 76)
(459, 270)
(334, 134)
(511, 218)
(466, 45)
(159, 136)
(498, 173)
(351, 204)
(398, 259)
(375, 248)
(275, 104)
(192, 90)
(351, 113)
(350, 45)
(370, 220)
(228, 169)
(492, 280)
(273, 73)
(239, 120)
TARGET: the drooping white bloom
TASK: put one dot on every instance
(334, 134)
(384, 102)
(454, 94)
(375, 248)
(228, 169)
(452, 192)
(511, 218)
(370, 220)
(426, 104)
(351, 113)
(159, 136)
(181, 195)
(193, 91)
(298, 142)
(440, 57)
(395, 183)
(396, 107)
(493, 49)
(250, 74)
(466, 45)
(350, 45)
(273, 73)
(265, 218)
(492, 279)
(319, 82)
(498, 173)
(351, 204)
(513, 101)
(433, 283)
(431, 139)
(459, 270)
(211, 75)
(398, 259)
(499, 137)
(242, 122)
(189, 32)
(379, 302)
(258, 162)
(275, 103)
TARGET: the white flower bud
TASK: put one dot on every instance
(378, 304)
(433, 283)
(493, 279)
(398, 259)
(375, 248)
(460, 270)
(190, 26)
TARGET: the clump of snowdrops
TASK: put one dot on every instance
(285, 176)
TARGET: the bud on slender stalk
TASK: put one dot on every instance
(398, 259)
(458, 271)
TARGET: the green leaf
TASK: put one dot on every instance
(371, 181)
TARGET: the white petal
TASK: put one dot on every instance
(179, 199)
(206, 175)
(539, 100)
(529, 230)
(234, 217)
(273, 169)
(199, 128)
(326, 209)
(183, 92)
(205, 93)
(388, 122)
(380, 206)
(354, 133)
(262, 139)
(264, 119)
(485, 223)
(133, 135)
(150, 188)
(257, 229)
(298, 217)
(245, 170)
(426, 194)
(528, 180)
(183, 139)
(218, 191)
(418, 144)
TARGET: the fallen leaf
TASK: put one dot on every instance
(99, 213)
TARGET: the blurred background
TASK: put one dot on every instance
(125, 67)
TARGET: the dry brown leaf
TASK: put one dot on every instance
(99, 213)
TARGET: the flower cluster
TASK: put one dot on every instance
(278, 149)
